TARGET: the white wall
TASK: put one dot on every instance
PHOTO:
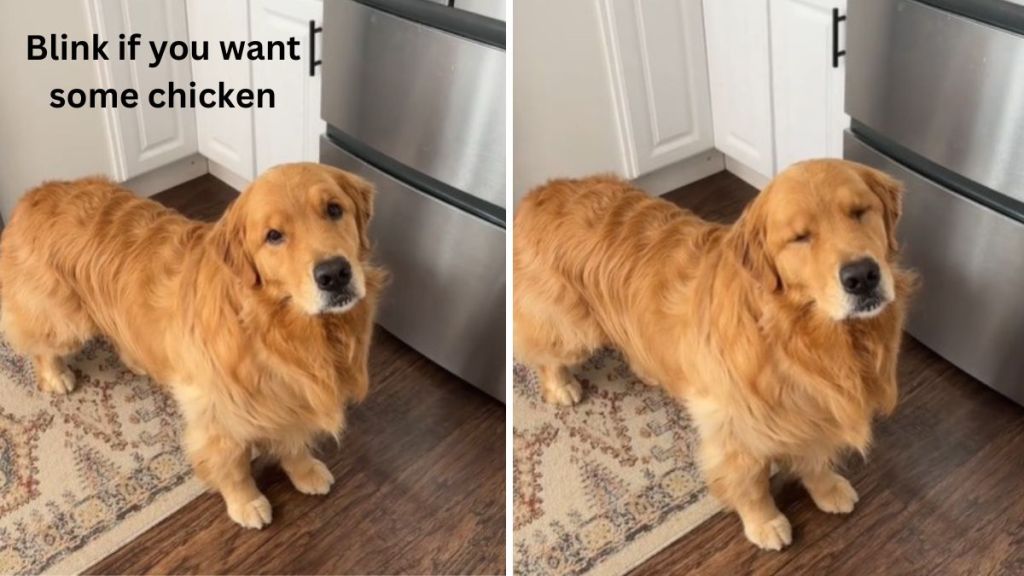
(563, 112)
(37, 142)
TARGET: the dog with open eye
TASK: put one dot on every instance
(780, 333)
(259, 324)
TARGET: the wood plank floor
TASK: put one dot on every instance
(942, 491)
(420, 479)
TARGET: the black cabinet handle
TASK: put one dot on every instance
(313, 62)
(836, 52)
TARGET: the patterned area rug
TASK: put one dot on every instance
(600, 487)
(82, 474)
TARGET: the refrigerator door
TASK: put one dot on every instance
(944, 86)
(429, 98)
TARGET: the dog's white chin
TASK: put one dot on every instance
(320, 302)
(341, 309)
(322, 305)
(869, 313)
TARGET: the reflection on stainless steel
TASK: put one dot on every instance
(447, 294)
(949, 88)
(490, 8)
(427, 98)
(970, 308)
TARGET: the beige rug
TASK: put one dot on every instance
(82, 474)
(601, 487)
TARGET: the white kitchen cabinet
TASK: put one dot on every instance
(225, 135)
(290, 131)
(660, 79)
(563, 113)
(610, 86)
(739, 67)
(807, 80)
(145, 138)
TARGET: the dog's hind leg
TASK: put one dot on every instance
(52, 374)
(550, 342)
(46, 324)
(558, 385)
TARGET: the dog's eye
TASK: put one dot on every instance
(334, 211)
(274, 236)
(802, 237)
(858, 213)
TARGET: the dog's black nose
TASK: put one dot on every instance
(333, 275)
(860, 277)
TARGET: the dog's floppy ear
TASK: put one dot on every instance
(749, 243)
(229, 242)
(890, 192)
(361, 192)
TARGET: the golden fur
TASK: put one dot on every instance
(229, 322)
(747, 324)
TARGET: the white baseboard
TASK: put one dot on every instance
(746, 173)
(169, 176)
(221, 172)
(688, 171)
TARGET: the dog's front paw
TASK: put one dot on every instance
(567, 394)
(774, 534)
(314, 479)
(61, 381)
(837, 497)
(253, 514)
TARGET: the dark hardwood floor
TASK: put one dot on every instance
(942, 491)
(420, 479)
(204, 198)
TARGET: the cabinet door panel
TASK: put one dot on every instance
(740, 71)
(563, 108)
(290, 131)
(808, 91)
(658, 62)
(145, 137)
(225, 134)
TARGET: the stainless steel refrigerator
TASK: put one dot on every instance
(414, 99)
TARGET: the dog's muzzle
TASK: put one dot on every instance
(334, 280)
(861, 280)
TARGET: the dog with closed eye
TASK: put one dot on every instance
(779, 333)
(259, 324)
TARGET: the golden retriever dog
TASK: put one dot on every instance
(780, 333)
(259, 324)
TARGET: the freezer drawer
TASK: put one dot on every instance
(969, 309)
(429, 98)
(447, 293)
